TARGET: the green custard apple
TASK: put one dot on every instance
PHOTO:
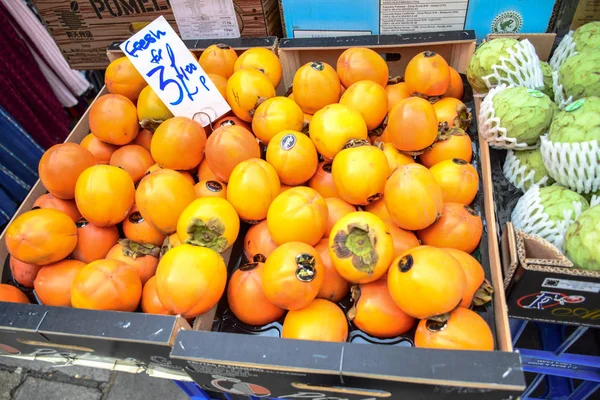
(579, 75)
(582, 240)
(526, 114)
(524, 168)
(578, 122)
(548, 212)
(587, 37)
(548, 88)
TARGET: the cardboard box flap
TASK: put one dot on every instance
(533, 249)
(543, 42)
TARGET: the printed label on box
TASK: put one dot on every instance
(206, 19)
(571, 285)
(174, 73)
(421, 15)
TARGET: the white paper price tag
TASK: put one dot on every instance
(174, 73)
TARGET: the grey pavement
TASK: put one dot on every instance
(38, 380)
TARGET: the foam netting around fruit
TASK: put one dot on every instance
(573, 165)
(559, 94)
(522, 68)
(489, 125)
(521, 176)
(529, 216)
(565, 49)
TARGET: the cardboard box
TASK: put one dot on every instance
(144, 339)
(571, 14)
(542, 284)
(240, 360)
(328, 18)
(84, 29)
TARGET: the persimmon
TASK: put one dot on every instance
(293, 275)
(465, 330)
(246, 89)
(12, 294)
(150, 303)
(100, 150)
(375, 312)
(403, 240)
(53, 282)
(141, 231)
(185, 174)
(395, 93)
(211, 188)
(23, 273)
(246, 297)
(315, 85)
(263, 60)
(298, 215)
(67, 206)
(384, 138)
(204, 171)
(121, 77)
(134, 159)
(359, 173)
(427, 74)
(394, 157)
(452, 112)
(228, 146)
(412, 124)
(41, 236)
(162, 196)
(459, 227)
(321, 320)
(142, 258)
(294, 157)
(333, 126)
(151, 110)
(209, 222)
(190, 280)
(93, 242)
(107, 285)
(360, 246)
(369, 99)
(218, 59)
(426, 281)
(413, 198)
(336, 208)
(334, 287)
(178, 143)
(474, 273)
(458, 180)
(456, 87)
(220, 82)
(258, 243)
(61, 165)
(99, 186)
(275, 115)
(113, 119)
(379, 209)
(358, 64)
(143, 138)
(457, 145)
(322, 181)
(229, 120)
(253, 179)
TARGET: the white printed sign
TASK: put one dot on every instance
(174, 73)
(206, 19)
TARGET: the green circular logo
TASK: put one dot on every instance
(575, 105)
(507, 22)
(535, 93)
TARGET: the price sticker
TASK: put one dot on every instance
(165, 62)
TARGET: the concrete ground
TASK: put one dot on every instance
(38, 380)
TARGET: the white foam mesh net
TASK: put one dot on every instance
(520, 175)
(573, 165)
(521, 68)
(595, 200)
(529, 216)
(489, 124)
(564, 50)
(559, 94)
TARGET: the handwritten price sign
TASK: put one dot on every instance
(174, 73)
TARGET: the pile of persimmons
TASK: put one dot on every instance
(355, 186)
